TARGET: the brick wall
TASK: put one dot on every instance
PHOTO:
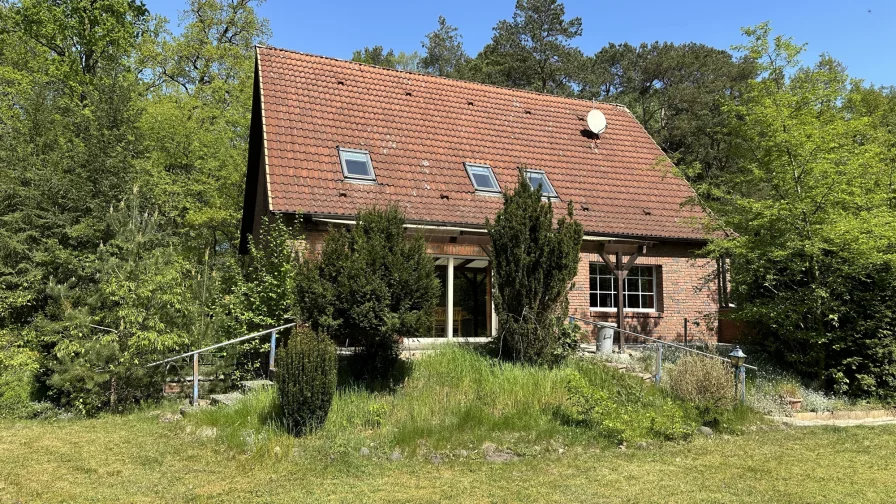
(688, 291)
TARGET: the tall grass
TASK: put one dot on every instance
(454, 400)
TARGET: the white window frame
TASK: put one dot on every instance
(544, 176)
(356, 154)
(613, 292)
(491, 173)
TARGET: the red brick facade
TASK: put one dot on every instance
(686, 288)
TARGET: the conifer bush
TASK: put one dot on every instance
(535, 264)
(370, 287)
(306, 380)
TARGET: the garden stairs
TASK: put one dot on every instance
(245, 388)
(627, 369)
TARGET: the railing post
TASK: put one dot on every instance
(659, 364)
(196, 379)
(273, 354)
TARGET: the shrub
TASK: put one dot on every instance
(623, 419)
(371, 286)
(706, 383)
(306, 380)
(534, 268)
(17, 369)
(262, 297)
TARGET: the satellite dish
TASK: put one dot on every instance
(597, 121)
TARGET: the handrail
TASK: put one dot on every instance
(236, 340)
(612, 326)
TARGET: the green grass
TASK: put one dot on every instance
(136, 458)
(453, 402)
(456, 399)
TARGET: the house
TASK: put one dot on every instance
(330, 137)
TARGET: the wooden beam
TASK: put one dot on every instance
(489, 305)
(620, 300)
(607, 261)
(449, 304)
(464, 263)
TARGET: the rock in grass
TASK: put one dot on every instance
(706, 431)
(169, 417)
(395, 457)
(494, 454)
(364, 452)
(435, 458)
(642, 445)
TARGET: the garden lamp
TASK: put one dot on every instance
(737, 357)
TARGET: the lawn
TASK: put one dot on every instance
(136, 458)
(452, 405)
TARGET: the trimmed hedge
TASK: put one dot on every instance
(306, 381)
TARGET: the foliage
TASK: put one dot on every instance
(306, 381)
(706, 383)
(378, 56)
(443, 51)
(677, 92)
(812, 266)
(69, 139)
(369, 287)
(263, 296)
(100, 336)
(534, 267)
(532, 50)
(18, 366)
(266, 294)
(622, 421)
(98, 99)
(196, 122)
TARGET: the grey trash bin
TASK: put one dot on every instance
(605, 339)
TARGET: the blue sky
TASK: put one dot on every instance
(864, 41)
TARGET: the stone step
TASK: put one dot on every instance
(225, 399)
(250, 385)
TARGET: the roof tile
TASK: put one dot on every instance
(418, 143)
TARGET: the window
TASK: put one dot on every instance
(538, 178)
(483, 178)
(639, 293)
(356, 165)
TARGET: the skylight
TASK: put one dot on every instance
(356, 165)
(538, 179)
(483, 178)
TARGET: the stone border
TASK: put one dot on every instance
(845, 415)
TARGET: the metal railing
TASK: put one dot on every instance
(739, 371)
(195, 354)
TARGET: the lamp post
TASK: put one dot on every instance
(737, 358)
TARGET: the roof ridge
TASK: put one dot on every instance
(444, 78)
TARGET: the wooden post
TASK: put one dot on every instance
(273, 354)
(493, 315)
(449, 305)
(620, 299)
(196, 379)
(489, 306)
(620, 270)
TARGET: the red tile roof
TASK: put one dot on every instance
(420, 129)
